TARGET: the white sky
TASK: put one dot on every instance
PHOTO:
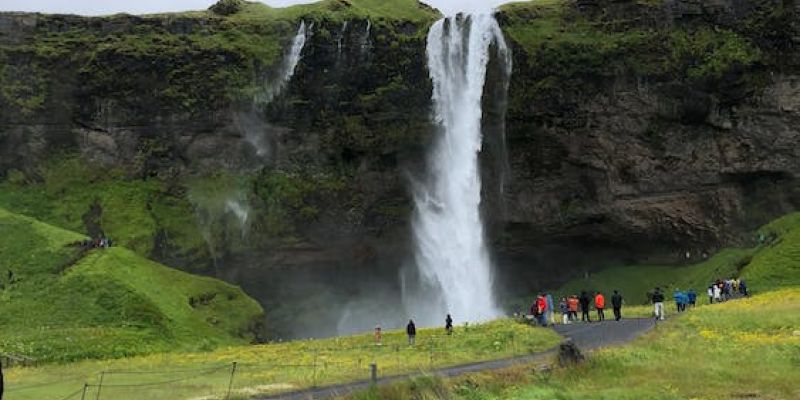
(104, 7)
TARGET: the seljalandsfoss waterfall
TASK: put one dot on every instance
(451, 255)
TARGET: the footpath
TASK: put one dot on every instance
(587, 337)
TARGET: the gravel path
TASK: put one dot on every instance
(586, 336)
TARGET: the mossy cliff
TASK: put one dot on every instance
(671, 125)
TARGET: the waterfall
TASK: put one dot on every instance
(249, 122)
(288, 66)
(340, 40)
(451, 254)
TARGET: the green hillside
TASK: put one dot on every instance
(775, 263)
(635, 281)
(62, 303)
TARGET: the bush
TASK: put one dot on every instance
(227, 7)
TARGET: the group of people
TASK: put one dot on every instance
(726, 289)
(684, 299)
(100, 242)
(411, 330)
(543, 310)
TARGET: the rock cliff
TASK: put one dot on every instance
(632, 130)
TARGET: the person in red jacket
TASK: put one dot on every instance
(600, 305)
(541, 310)
(572, 304)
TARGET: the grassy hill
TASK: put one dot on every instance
(64, 303)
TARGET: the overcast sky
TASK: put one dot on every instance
(104, 7)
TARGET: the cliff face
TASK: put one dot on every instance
(633, 130)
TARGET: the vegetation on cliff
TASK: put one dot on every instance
(62, 302)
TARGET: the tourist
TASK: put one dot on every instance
(616, 303)
(411, 330)
(743, 288)
(717, 293)
(572, 304)
(584, 300)
(378, 335)
(563, 306)
(541, 310)
(551, 311)
(711, 294)
(658, 303)
(600, 305)
(692, 298)
(677, 295)
(448, 324)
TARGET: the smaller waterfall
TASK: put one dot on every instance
(340, 40)
(248, 122)
(288, 66)
(241, 210)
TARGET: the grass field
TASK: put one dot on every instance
(64, 303)
(747, 348)
(277, 367)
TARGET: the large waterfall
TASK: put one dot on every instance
(455, 269)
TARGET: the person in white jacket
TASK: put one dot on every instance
(711, 294)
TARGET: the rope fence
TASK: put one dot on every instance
(319, 366)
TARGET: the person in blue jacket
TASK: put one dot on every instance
(680, 300)
(691, 297)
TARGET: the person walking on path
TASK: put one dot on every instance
(658, 304)
(691, 298)
(677, 295)
(411, 330)
(541, 310)
(551, 310)
(584, 300)
(564, 308)
(717, 294)
(572, 304)
(743, 288)
(616, 303)
(600, 306)
(448, 324)
(711, 294)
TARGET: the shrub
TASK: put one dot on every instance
(227, 7)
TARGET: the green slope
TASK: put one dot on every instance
(775, 263)
(635, 281)
(64, 303)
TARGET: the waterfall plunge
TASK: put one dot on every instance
(451, 253)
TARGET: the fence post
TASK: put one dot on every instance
(230, 382)
(100, 385)
(373, 373)
(314, 371)
(85, 387)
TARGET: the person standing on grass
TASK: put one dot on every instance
(600, 306)
(711, 294)
(551, 310)
(658, 302)
(616, 302)
(448, 324)
(692, 298)
(564, 308)
(743, 288)
(411, 330)
(572, 304)
(585, 317)
(717, 293)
